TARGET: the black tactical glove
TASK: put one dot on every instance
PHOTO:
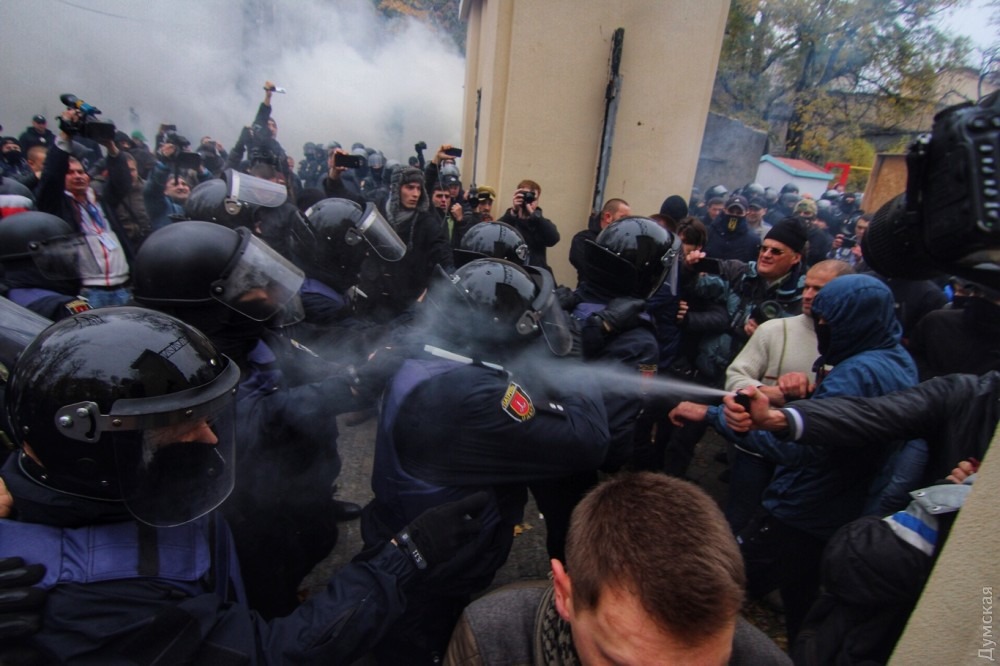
(370, 378)
(20, 604)
(436, 535)
(622, 314)
(568, 299)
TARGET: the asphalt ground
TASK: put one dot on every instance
(528, 559)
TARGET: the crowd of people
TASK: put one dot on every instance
(215, 311)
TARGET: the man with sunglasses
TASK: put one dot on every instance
(769, 287)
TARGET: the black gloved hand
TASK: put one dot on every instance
(20, 604)
(568, 299)
(622, 314)
(437, 534)
(370, 378)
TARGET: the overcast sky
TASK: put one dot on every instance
(974, 22)
(350, 75)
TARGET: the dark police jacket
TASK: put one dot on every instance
(449, 428)
(105, 606)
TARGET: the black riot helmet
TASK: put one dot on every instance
(492, 239)
(753, 190)
(197, 263)
(335, 236)
(233, 201)
(770, 196)
(130, 405)
(633, 257)
(492, 304)
(47, 243)
(789, 187)
(716, 191)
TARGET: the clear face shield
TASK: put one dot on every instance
(20, 327)
(63, 257)
(547, 315)
(174, 454)
(671, 267)
(260, 282)
(378, 233)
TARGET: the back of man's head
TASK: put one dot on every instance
(664, 541)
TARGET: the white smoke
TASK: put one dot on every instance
(351, 75)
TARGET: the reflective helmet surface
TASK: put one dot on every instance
(191, 263)
(207, 202)
(719, 191)
(631, 257)
(492, 239)
(48, 242)
(789, 187)
(753, 190)
(338, 234)
(18, 232)
(107, 401)
(498, 303)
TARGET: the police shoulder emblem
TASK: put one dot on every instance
(77, 306)
(517, 404)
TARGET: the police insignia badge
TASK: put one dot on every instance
(517, 404)
(77, 306)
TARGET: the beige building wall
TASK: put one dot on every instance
(955, 622)
(543, 66)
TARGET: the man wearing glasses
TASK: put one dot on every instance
(771, 286)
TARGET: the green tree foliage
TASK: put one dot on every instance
(442, 13)
(815, 73)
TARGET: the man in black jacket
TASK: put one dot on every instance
(389, 288)
(525, 215)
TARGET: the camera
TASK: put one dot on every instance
(848, 241)
(348, 161)
(420, 146)
(948, 219)
(472, 196)
(88, 126)
(528, 196)
(453, 152)
(181, 158)
(766, 311)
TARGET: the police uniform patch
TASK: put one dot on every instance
(77, 306)
(517, 404)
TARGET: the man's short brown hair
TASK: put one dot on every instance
(612, 206)
(666, 542)
(530, 185)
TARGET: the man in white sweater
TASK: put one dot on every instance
(777, 360)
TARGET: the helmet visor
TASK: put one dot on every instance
(20, 327)
(671, 268)
(547, 314)
(260, 282)
(174, 454)
(255, 191)
(64, 258)
(377, 231)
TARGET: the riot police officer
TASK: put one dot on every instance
(455, 420)
(230, 285)
(125, 422)
(43, 259)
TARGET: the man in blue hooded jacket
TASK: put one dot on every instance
(816, 490)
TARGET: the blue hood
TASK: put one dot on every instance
(861, 312)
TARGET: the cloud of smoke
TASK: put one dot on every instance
(351, 74)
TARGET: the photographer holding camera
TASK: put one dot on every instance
(525, 215)
(64, 190)
(169, 184)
